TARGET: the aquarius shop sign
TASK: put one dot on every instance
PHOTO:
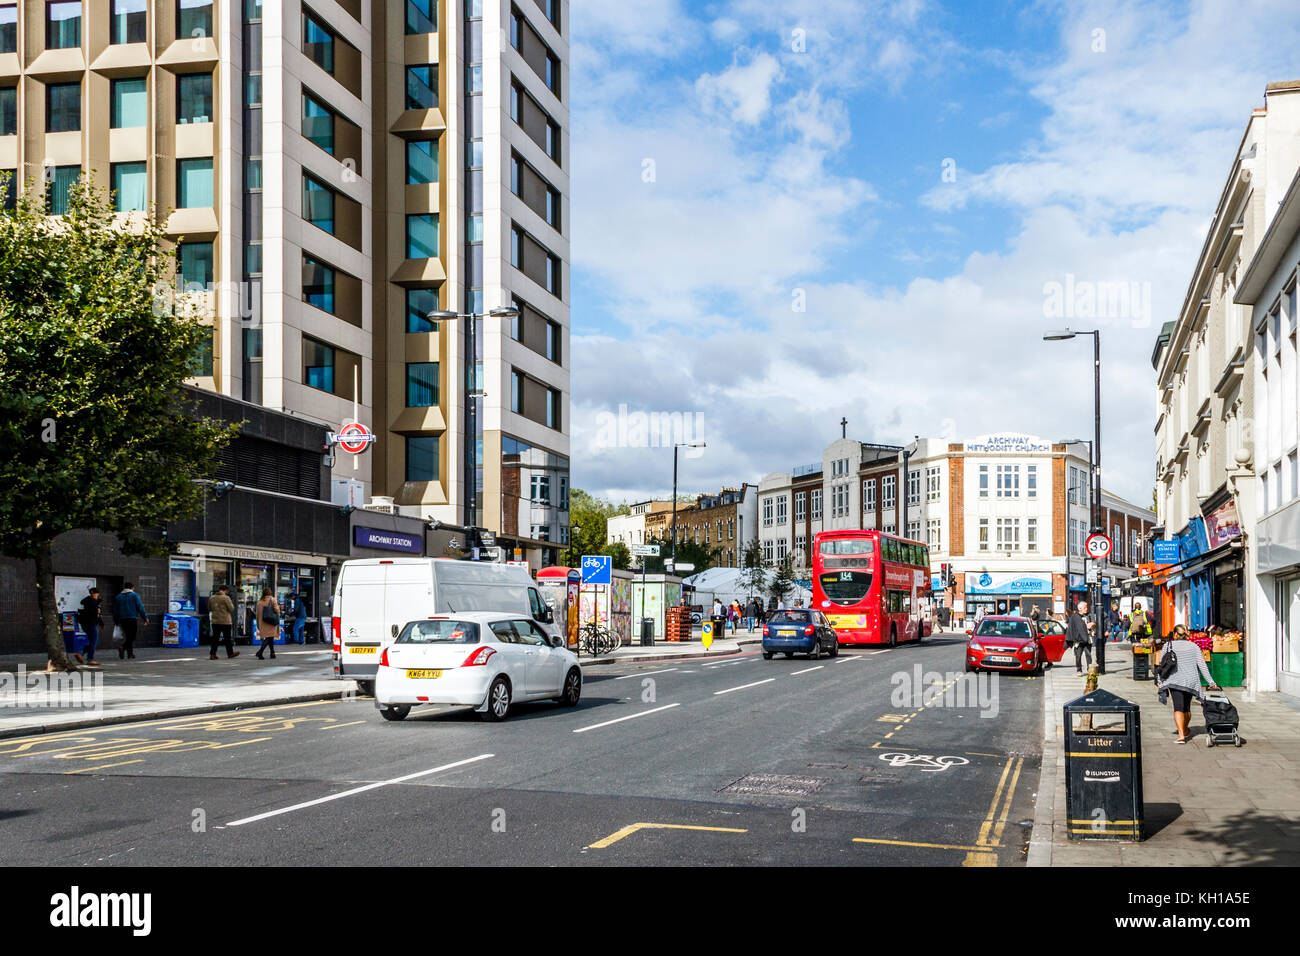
(1005, 444)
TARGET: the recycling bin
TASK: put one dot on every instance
(180, 630)
(1103, 768)
(647, 631)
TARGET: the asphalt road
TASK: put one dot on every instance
(731, 761)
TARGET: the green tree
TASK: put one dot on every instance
(753, 578)
(783, 579)
(94, 423)
(589, 526)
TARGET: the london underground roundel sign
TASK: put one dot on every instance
(1098, 546)
(355, 437)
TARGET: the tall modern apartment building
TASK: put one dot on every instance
(332, 172)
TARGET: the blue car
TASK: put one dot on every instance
(801, 631)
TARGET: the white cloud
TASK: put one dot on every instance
(742, 91)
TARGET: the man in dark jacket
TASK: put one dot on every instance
(128, 611)
(1076, 634)
(91, 619)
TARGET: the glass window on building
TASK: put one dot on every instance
(128, 22)
(60, 187)
(421, 458)
(552, 408)
(193, 18)
(62, 107)
(317, 284)
(63, 25)
(317, 203)
(194, 265)
(130, 186)
(317, 364)
(194, 98)
(318, 42)
(419, 303)
(421, 384)
(553, 342)
(422, 236)
(421, 17)
(8, 111)
(421, 162)
(317, 123)
(421, 87)
(201, 366)
(9, 28)
(129, 104)
(194, 183)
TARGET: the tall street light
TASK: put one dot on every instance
(1061, 336)
(472, 391)
(677, 445)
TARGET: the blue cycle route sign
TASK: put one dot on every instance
(596, 569)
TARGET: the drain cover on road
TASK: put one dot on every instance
(776, 784)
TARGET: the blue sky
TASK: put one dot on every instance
(734, 159)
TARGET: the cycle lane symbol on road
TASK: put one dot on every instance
(924, 762)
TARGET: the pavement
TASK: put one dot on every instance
(1204, 806)
(716, 760)
(173, 682)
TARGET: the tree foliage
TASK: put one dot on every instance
(92, 358)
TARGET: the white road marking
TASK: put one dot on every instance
(806, 670)
(664, 670)
(874, 653)
(356, 790)
(619, 720)
(845, 660)
(743, 686)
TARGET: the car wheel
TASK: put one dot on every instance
(767, 655)
(366, 688)
(816, 651)
(893, 636)
(498, 699)
(971, 668)
(395, 711)
(835, 649)
(572, 688)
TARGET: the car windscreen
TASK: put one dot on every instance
(789, 617)
(845, 587)
(444, 631)
(1003, 629)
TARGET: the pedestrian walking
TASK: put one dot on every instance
(733, 616)
(1182, 678)
(1115, 623)
(91, 619)
(295, 615)
(222, 611)
(268, 623)
(128, 614)
(1077, 635)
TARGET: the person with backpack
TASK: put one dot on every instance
(1179, 673)
(1139, 623)
(268, 622)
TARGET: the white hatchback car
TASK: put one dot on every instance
(481, 659)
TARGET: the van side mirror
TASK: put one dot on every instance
(557, 641)
(394, 630)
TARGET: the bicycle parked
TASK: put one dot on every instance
(595, 639)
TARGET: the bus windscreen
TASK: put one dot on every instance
(845, 587)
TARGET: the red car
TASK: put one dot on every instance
(1009, 643)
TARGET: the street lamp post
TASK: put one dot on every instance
(472, 392)
(677, 445)
(1094, 592)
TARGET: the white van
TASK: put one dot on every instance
(374, 598)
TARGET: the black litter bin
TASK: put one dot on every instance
(1103, 768)
(719, 627)
(647, 631)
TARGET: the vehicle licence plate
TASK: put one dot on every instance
(362, 650)
(424, 675)
(1004, 660)
(785, 632)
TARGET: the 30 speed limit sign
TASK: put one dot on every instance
(1098, 546)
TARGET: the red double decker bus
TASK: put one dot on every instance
(871, 586)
